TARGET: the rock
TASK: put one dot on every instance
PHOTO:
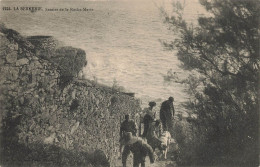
(13, 46)
(56, 140)
(74, 128)
(73, 94)
(21, 100)
(13, 86)
(35, 58)
(2, 52)
(21, 62)
(10, 73)
(50, 139)
(50, 128)
(34, 64)
(44, 44)
(54, 108)
(42, 74)
(97, 102)
(62, 135)
(53, 119)
(33, 77)
(11, 57)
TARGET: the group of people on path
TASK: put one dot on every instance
(153, 128)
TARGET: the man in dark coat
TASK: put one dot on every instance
(167, 113)
(128, 126)
(139, 148)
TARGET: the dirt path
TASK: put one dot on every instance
(158, 163)
(165, 163)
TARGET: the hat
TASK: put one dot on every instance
(152, 104)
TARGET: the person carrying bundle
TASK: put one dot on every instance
(139, 148)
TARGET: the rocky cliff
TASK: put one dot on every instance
(49, 118)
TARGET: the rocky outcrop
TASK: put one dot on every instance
(79, 122)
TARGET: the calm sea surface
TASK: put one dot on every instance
(121, 40)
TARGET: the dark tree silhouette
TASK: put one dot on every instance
(224, 49)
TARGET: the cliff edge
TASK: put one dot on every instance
(49, 116)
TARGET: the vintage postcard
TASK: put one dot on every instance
(128, 83)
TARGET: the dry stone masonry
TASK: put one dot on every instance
(44, 124)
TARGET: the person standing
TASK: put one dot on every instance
(153, 134)
(158, 128)
(167, 113)
(139, 148)
(148, 117)
(128, 126)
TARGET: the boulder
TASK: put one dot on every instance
(11, 73)
(74, 128)
(11, 57)
(4, 41)
(50, 139)
(23, 61)
(13, 46)
(43, 43)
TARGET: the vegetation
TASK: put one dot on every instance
(223, 49)
(116, 87)
(70, 62)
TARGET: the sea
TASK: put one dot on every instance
(122, 41)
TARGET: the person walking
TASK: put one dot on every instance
(167, 113)
(148, 117)
(128, 126)
(139, 148)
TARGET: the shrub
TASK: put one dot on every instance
(70, 62)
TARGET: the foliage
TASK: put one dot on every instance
(116, 87)
(70, 62)
(42, 155)
(171, 76)
(223, 48)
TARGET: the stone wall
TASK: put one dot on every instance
(38, 116)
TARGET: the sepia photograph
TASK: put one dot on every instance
(129, 83)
